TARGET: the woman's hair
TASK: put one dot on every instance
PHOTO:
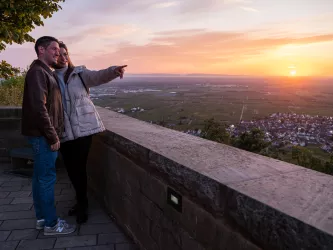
(62, 45)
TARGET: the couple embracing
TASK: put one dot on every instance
(58, 115)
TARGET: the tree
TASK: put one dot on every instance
(215, 131)
(253, 141)
(18, 18)
(7, 71)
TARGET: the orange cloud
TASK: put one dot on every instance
(195, 51)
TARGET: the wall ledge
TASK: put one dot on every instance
(280, 205)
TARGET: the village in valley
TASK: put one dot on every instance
(288, 129)
(283, 129)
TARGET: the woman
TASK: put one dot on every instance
(81, 122)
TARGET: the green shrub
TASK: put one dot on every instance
(11, 91)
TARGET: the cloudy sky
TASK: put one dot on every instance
(241, 37)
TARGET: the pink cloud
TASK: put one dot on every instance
(101, 32)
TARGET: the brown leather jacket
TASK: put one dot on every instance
(42, 111)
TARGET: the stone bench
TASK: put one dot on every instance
(21, 157)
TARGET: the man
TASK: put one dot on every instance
(42, 122)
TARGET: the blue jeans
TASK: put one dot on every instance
(43, 180)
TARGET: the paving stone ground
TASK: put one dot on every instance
(17, 219)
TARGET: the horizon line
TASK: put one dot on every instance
(223, 75)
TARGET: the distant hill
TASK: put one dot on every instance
(327, 78)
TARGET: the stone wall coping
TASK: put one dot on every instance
(300, 193)
(10, 107)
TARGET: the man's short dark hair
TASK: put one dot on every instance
(44, 41)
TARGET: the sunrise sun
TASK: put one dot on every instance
(292, 72)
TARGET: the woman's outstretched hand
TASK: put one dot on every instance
(120, 70)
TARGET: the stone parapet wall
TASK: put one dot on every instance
(230, 199)
(10, 130)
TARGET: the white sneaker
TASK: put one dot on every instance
(62, 227)
(40, 224)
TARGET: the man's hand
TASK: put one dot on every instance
(120, 71)
(55, 146)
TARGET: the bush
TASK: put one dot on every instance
(11, 91)
(215, 131)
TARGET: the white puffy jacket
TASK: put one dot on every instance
(80, 115)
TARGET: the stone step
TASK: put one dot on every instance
(4, 159)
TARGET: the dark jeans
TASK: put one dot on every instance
(75, 156)
(43, 180)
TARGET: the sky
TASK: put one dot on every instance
(234, 37)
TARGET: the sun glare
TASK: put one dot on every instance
(292, 72)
